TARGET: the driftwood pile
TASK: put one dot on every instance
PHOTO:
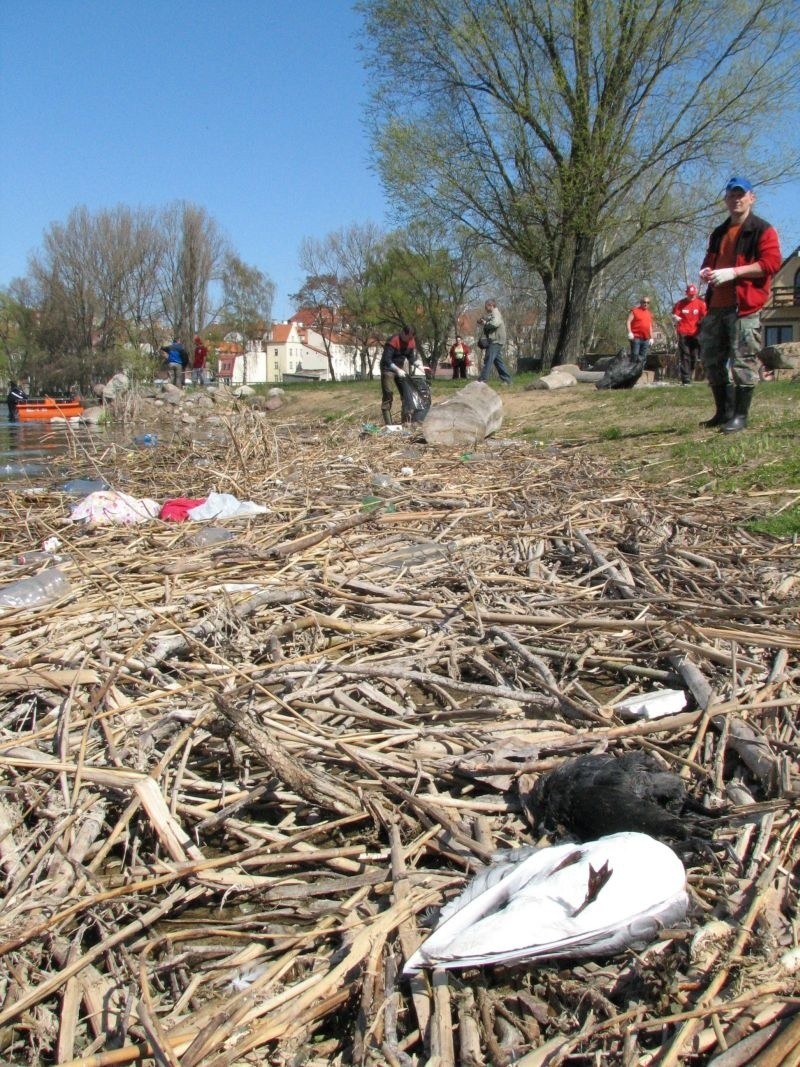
(234, 778)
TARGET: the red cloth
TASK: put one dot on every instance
(757, 242)
(642, 323)
(691, 311)
(200, 354)
(466, 360)
(176, 510)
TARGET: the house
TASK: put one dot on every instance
(290, 351)
(780, 317)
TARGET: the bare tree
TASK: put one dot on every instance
(193, 254)
(569, 132)
(338, 289)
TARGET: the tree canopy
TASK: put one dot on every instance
(568, 132)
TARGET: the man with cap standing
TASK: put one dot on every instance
(742, 257)
(687, 315)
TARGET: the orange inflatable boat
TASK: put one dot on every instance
(37, 410)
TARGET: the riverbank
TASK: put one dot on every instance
(235, 775)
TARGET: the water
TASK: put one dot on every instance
(38, 453)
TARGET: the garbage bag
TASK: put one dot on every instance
(415, 397)
(623, 372)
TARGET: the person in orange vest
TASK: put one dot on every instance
(687, 314)
(742, 256)
(640, 330)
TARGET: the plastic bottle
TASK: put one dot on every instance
(83, 486)
(51, 584)
(211, 535)
(149, 440)
(26, 558)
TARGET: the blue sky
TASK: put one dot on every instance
(249, 108)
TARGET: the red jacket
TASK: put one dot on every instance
(691, 311)
(466, 360)
(757, 243)
(641, 323)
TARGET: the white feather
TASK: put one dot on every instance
(534, 906)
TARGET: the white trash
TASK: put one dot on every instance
(652, 705)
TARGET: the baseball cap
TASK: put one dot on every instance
(739, 183)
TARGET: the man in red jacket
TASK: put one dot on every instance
(687, 314)
(742, 257)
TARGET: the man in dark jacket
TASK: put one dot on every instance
(397, 349)
(742, 257)
(15, 397)
(177, 361)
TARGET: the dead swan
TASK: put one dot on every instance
(569, 900)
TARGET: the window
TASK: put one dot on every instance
(777, 335)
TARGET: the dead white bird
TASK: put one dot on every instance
(593, 899)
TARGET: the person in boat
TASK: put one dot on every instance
(16, 396)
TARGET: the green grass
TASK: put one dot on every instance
(783, 524)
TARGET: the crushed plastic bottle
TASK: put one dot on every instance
(211, 535)
(51, 584)
(83, 486)
(147, 440)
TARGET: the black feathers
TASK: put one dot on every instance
(592, 796)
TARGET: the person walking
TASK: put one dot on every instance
(199, 362)
(742, 257)
(177, 360)
(397, 349)
(494, 333)
(459, 358)
(687, 314)
(640, 330)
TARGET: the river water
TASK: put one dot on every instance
(39, 453)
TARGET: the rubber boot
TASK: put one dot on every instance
(741, 408)
(724, 397)
(387, 417)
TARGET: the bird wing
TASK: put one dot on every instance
(544, 907)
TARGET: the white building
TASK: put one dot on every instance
(290, 350)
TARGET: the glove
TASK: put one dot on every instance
(630, 336)
(399, 372)
(724, 274)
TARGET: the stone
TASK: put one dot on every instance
(244, 390)
(464, 419)
(556, 379)
(785, 356)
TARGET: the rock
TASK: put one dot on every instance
(472, 414)
(93, 415)
(568, 368)
(244, 390)
(556, 379)
(115, 386)
(785, 356)
(277, 391)
(274, 402)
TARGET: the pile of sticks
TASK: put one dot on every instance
(234, 778)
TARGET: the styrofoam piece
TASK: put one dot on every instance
(652, 705)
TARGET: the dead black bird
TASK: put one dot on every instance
(595, 795)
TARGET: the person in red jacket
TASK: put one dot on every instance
(199, 364)
(687, 314)
(743, 255)
(640, 330)
(459, 358)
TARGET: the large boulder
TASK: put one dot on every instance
(785, 356)
(556, 379)
(116, 386)
(463, 420)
